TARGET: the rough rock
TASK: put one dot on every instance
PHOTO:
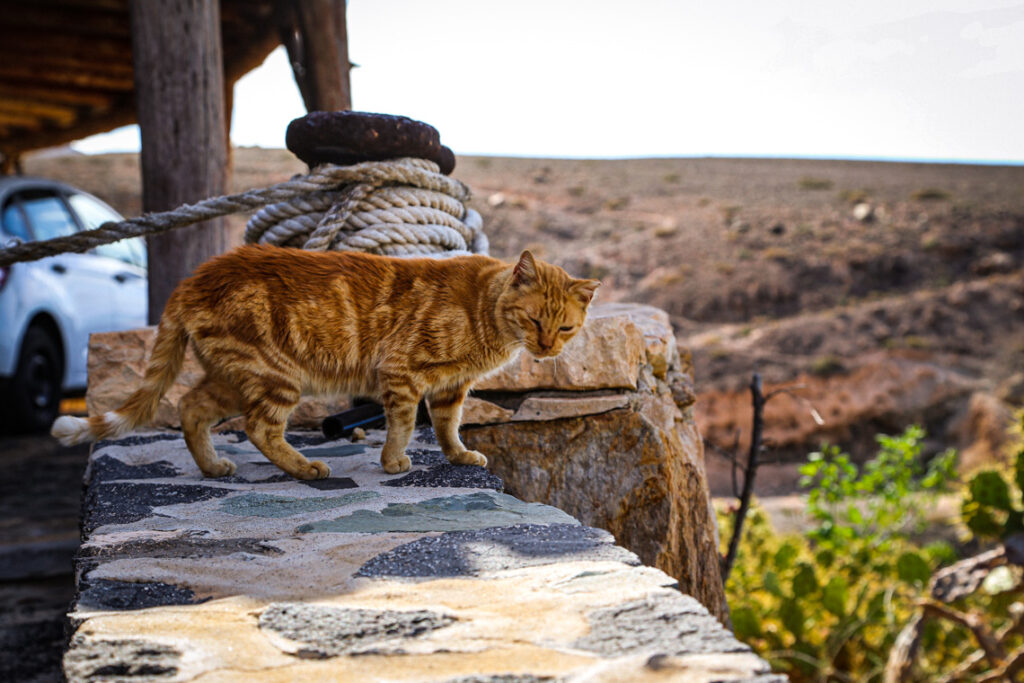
(320, 631)
(255, 580)
(117, 363)
(606, 354)
(884, 393)
(983, 433)
(626, 458)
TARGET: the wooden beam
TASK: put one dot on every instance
(110, 5)
(28, 42)
(179, 87)
(26, 121)
(75, 21)
(106, 70)
(67, 96)
(79, 78)
(60, 116)
(122, 113)
(316, 37)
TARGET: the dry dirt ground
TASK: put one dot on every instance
(889, 293)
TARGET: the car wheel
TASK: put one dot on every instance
(35, 389)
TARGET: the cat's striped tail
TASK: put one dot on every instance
(164, 365)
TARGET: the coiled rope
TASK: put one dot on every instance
(401, 207)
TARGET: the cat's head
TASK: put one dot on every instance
(544, 305)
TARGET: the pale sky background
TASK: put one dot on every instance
(892, 79)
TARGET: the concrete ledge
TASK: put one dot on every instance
(430, 575)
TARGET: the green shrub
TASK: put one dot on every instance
(993, 505)
(810, 183)
(929, 194)
(828, 605)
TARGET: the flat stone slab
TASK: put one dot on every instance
(430, 575)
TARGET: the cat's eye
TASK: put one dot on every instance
(567, 328)
(536, 323)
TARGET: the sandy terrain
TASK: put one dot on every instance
(893, 292)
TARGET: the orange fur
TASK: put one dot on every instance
(270, 323)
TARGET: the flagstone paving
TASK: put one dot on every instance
(430, 575)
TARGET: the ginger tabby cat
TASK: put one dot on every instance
(269, 323)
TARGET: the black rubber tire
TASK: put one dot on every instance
(35, 390)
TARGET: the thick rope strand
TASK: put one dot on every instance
(315, 189)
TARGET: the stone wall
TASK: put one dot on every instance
(430, 575)
(604, 431)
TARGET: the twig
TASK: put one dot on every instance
(994, 651)
(749, 474)
(1009, 671)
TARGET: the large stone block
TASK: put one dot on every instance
(627, 458)
(606, 354)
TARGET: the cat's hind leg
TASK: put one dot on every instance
(446, 415)
(207, 403)
(265, 421)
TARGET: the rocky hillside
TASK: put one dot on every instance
(887, 293)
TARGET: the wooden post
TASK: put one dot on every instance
(179, 87)
(316, 36)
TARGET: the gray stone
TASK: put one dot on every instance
(447, 475)
(504, 678)
(90, 659)
(469, 553)
(666, 623)
(330, 484)
(426, 456)
(331, 631)
(122, 595)
(106, 468)
(450, 513)
(135, 440)
(337, 451)
(266, 505)
(178, 546)
(127, 502)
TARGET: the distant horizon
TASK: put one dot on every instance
(773, 157)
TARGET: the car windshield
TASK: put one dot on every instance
(14, 224)
(48, 216)
(93, 214)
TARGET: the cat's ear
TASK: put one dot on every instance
(584, 290)
(525, 271)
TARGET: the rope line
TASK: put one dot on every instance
(403, 207)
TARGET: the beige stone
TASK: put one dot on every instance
(557, 407)
(117, 364)
(606, 354)
(659, 339)
(478, 411)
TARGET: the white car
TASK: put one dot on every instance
(49, 307)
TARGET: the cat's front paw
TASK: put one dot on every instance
(468, 457)
(315, 470)
(221, 467)
(396, 465)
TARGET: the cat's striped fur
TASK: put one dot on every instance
(270, 323)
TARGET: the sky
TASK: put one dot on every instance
(877, 79)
